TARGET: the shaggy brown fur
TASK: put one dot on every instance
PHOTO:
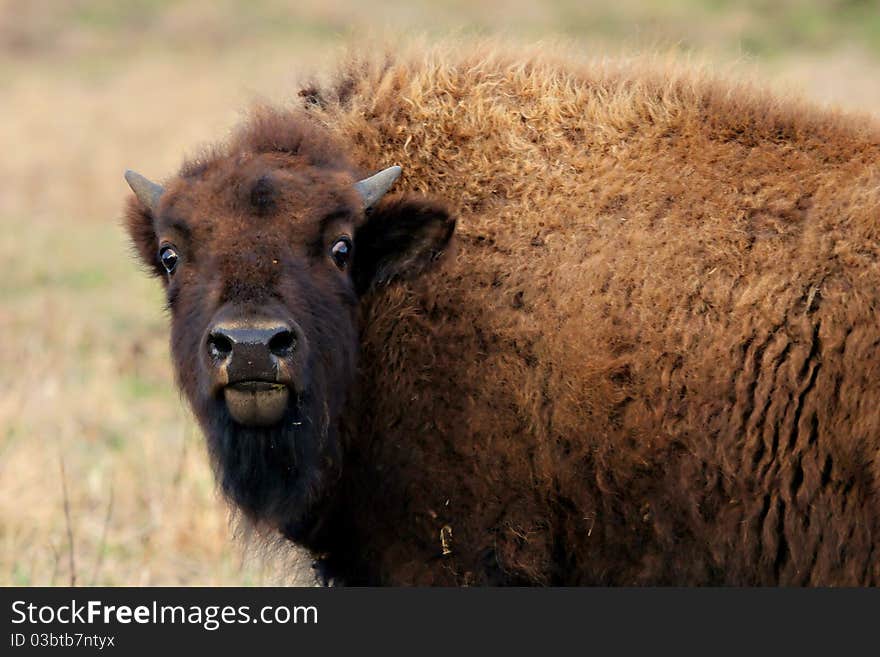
(653, 356)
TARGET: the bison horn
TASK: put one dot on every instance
(147, 191)
(373, 188)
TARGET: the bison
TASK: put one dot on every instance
(615, 324)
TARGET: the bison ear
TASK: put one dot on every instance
(139, 224)
(401, 238)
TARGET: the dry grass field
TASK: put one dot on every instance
(103, 475)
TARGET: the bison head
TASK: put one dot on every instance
(264, 256)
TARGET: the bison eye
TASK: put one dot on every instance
(168, 256)
(341, 252)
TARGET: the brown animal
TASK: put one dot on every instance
(651, 356)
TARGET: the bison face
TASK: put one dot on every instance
(264, 264)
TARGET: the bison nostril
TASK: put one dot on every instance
(219, 346)
(282, 343)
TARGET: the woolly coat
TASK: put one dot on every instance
(653, 355)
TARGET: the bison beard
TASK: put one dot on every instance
(273, 474)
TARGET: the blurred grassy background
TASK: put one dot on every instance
(88, 88)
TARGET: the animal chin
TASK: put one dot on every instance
(256, 403)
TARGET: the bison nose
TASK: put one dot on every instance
(278, 340)
(251, 351)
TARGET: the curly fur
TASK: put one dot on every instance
(653, 356)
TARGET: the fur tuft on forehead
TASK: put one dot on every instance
(270, 130)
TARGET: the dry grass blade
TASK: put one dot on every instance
(102, 546)
(71, 551)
